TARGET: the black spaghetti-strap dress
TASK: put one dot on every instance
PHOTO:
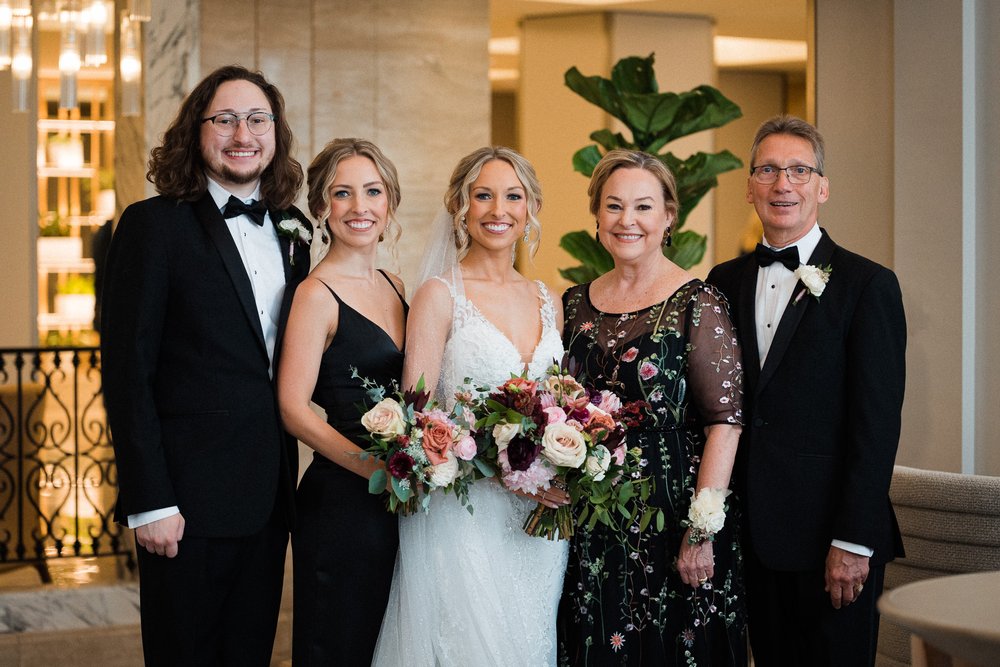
(344, 542)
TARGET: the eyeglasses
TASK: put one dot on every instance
(798, 174)
(226, 124)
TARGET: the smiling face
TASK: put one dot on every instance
(787, 210)
(359, 206)
(237, 162)
(632, 215)
(498, 207)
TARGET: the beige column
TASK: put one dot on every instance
(19, 222)
(554, 122)
(912, 129)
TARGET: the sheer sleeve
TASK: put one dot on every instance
(715, 370)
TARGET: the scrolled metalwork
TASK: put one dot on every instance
(57, 465)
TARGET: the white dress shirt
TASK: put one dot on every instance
(261, 254)
(775, 284)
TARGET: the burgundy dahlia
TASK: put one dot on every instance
(400, 465)
(522, 452)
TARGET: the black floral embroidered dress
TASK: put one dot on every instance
(624, 602)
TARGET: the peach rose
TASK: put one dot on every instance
(385, 419)
(438, 437)
(563, 445)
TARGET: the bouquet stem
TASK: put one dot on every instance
(550, 523)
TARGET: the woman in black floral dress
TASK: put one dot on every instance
(649, 331)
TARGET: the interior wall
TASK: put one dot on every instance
(412, 79)
(19, 194)
(760, 95)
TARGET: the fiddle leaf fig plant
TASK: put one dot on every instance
(654, 119)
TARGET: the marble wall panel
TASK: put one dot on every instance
(171, 53)
(284, 55)
(345, 84)
(229, 34)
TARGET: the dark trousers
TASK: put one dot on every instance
(215, 603)
(792, 622)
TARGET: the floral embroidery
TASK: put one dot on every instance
(617, 641)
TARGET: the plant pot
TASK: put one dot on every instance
(55, 249)
(77, 306)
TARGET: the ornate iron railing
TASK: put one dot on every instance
(57, 468)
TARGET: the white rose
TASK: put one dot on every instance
(385, 419)
(597, 463)
(504, 433)
(813, 277)
(445, 473)
(564, 446)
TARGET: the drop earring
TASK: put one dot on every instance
(666, 238)
(597, 232)
(527, 228)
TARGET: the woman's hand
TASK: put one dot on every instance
(552, 497)
(695, 562)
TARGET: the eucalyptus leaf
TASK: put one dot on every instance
(403, 492)
(376, 483)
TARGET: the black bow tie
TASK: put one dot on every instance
(255, 210)
(768, 256)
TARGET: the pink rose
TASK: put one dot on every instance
(465, 448)
(555, 415)
(437, 440)
(630, 355)
(619, 454)
(610, 402)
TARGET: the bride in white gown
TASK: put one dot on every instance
(476, 590)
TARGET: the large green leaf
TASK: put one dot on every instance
(696, 175)
(635, 75)
(585, 159)
(579, 274)
(584, 247)
(686, 248)
(597, 90)
(701, 108)
(611, 140)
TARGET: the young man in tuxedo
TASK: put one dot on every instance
(198, 284)
(823, 338)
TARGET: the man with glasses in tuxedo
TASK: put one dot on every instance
(197, 288)
(823, 337)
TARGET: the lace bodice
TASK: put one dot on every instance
(487, 356)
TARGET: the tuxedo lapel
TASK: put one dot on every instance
(793, 313)
(746, 315)
(215, 225)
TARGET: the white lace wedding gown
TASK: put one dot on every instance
(476, 591)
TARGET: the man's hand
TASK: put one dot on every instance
(846, 573)
(161, 537)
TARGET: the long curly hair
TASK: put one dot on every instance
(177, 168)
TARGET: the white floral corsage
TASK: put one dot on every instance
(707, 514)
(296, 232)
(814, 278)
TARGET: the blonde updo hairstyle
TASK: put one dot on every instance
(626, 159)
(459, 194)
(323, 170)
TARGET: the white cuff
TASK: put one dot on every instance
(858, 549)
(142, 518)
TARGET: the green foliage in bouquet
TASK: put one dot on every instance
(654, 119)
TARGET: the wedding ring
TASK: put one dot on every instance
(858, 588)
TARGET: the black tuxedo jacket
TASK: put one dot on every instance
(823, 414)
(192, 408)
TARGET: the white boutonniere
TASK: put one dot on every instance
(814, 278)
(296, 232)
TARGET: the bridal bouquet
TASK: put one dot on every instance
(557, 433)
(424, 448)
